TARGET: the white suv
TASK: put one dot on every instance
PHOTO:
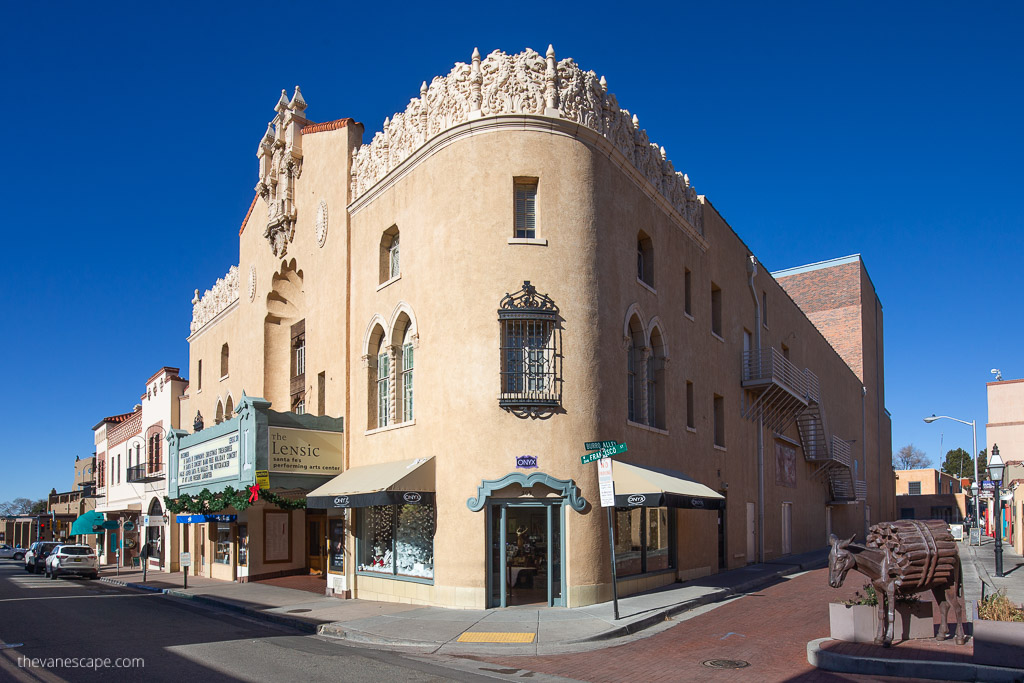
(73, 559)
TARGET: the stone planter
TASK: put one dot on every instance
(859, 623)
(998, 643)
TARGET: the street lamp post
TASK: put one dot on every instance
(974, 430)
(995, 470)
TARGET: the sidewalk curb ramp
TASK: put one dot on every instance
(825, 660)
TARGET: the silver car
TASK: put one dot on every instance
(73, 559)
(10, 552)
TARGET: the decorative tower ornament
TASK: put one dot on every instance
(280, 157)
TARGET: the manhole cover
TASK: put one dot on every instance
(296, 611)
(725, 663)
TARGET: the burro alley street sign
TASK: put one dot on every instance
(605, 452)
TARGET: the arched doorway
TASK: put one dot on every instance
(155, 534)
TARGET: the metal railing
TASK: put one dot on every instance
(136, 473)
(770, 365)
(860, 488)
(841, 451)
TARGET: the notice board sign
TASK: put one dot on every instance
(975, 538)
(209, 461)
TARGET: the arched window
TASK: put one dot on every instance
(378, 379)
(634, 368)
(644, 259)
(656, 380)
(229, 409)
(220, 413)
(224, 361)
(403, 330)
(390, 265)
(531, 365)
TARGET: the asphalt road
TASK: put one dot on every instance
(135, 635)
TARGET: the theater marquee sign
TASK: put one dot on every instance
(304, 451)
(209, 461)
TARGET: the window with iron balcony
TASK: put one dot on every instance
(531, 360)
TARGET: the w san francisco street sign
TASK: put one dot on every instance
(605, 452)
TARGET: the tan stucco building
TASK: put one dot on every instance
(1005, 428)
(928, 493)
(510, 268)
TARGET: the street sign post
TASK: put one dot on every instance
(185, 560)
(606, 486)
(605, 452)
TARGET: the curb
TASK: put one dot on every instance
(907, 668)
(279, 619)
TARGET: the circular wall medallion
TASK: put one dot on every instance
(321, 223)
(252, 282)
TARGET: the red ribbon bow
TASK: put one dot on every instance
(254, 493)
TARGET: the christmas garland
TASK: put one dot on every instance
(206, 502)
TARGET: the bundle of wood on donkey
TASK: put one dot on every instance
(904, 557)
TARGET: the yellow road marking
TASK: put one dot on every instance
(485, 637)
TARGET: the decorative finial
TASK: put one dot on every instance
(686, 180)
(663, 157)
(476, 54)
(282, 103)
(297, 103)
(604, 85)
(551, 51)
(423, 89)
(636, 122)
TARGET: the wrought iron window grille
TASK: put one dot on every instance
(531, 355)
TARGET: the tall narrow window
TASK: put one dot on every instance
(224, 361)
(645, 259)
(390, 263)
(687, 292)
(631, 406)
(297, 385)
(691, 422)
(719, 405)
(383, 393)
(656, 381)
(526, 209)
(199, 371)
(321, 393)
(530, 351)
(407, 365)
(716, 309)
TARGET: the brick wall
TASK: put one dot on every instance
(831, 298)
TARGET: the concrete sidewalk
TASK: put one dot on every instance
(517, 630)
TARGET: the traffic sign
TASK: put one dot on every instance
(185, 559)
(604, 453)
(605, 482)
(598, 445)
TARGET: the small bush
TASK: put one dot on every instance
(999, 608)
(870, 597)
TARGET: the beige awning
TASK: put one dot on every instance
(638, 486)
(402, 482)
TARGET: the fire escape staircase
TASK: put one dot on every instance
(783, 394)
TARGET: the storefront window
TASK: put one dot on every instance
(643, 540)
(222, 549)
(337, 550)
(397, 540)
(376, 536)
(243, 545)
(414, 542)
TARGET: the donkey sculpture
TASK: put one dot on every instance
(908, 557)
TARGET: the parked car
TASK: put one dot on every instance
(73, 559)
(35, 556)
(11, 552)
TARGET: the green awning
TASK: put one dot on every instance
(84, 524)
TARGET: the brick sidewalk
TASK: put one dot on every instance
(769, 629)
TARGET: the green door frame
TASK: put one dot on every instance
(500, 506)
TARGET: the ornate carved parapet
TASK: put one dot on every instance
(223, 294)
(280, 157)
(524, 83)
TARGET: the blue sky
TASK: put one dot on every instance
(817, 129)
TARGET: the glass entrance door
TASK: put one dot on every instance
(525, 554)
(316, 538)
